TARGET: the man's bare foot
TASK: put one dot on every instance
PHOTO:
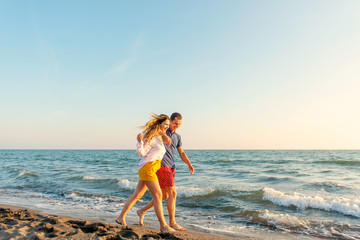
(141, 215)
(120, 222)
(177, 227)
(167, 229)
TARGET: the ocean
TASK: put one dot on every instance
(300, 194)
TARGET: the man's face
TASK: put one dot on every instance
(175, 124)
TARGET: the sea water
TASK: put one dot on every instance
(308, 194)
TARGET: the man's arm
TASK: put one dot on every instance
(185, 159)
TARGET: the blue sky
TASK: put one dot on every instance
(244, 74)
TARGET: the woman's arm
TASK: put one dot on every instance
(166, 138)
(141, 148)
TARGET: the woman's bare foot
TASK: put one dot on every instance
(177, 227)
(167, 229)
(141, 215)
(120, 221)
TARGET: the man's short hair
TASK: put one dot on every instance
(175, 115)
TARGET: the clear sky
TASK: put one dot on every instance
(244, 74)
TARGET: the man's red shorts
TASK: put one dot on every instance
(166, 176)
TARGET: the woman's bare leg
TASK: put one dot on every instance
(155, 191)
(141, 212)
(138, 193)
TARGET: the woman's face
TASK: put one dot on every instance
(165, 125)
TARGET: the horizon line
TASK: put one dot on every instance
(217, 149)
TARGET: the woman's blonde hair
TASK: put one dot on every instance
(152, 128)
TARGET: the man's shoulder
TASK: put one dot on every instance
(176, 135)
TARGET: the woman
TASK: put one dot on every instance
(151, 148)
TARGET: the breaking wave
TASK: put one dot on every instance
(346, 206)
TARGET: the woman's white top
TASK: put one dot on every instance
(150, 151)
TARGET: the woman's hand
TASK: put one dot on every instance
(140, 137)
(165, 138)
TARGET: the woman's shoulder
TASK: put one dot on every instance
(155, 140)
(158, 139)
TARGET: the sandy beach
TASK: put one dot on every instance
(22, 223)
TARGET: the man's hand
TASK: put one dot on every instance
(191, 168)
(140, 137)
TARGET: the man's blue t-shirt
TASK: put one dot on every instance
(168, 159)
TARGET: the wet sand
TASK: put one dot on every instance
(22, 223)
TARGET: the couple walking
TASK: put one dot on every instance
(157, 144)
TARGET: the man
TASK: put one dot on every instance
(166, 173)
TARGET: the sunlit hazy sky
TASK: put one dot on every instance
(244, 74)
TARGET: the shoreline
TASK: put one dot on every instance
(20, 222)
(23, 223)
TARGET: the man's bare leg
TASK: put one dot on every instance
(171, 205)
(155, 191)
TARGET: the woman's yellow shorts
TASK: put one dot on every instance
(148, 171)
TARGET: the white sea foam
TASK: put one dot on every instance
(229, 230)
(347, 206)
(92, 198)
(286, 222)
(105, 203)
(284, 219)
(79, 201)
(89, 178)
(27, 172)
(24, 194)
(192, 191)
(127, 184)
